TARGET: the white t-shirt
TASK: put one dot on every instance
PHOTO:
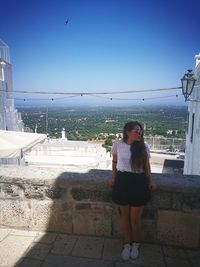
(123, 152)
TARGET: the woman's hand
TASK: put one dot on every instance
(152, 186)
(110, 182)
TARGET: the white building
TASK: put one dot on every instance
(68, 154)
(192, 151)
(10, 119)
(14, 144)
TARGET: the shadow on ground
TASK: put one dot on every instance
(59, 246)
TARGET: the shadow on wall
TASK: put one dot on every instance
(75, 203)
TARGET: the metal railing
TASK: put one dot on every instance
(173, 145)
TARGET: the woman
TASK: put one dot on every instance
(132, 184)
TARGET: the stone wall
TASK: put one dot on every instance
(48, 199)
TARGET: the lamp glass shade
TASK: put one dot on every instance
(188, 82)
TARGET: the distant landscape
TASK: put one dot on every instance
(104, 123)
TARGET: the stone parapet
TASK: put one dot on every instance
(65, 201)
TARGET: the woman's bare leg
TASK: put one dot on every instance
(135, 217)
(125, 223)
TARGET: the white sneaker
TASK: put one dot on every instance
(126, 252)
(134, 250)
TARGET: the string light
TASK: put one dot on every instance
(137, 99)
(109, 98)
(95, 94)
(42, 99)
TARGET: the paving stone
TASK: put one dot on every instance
(19, 248)
(38, 251)
(174, 252)
(13, 248)
(64, 244)
(46, 238)
(172, 262)
(150, 255)
(195, 262)
(69, 261)
(29, 263)
(90, 247)
(112, 249)
(128, 264)
(193, 253)
(182, 253)
(23, 232)
(4, 233)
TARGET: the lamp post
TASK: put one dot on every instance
(188, 82)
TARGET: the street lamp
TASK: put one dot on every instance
(188, 82)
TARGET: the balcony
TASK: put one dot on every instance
(57, 217)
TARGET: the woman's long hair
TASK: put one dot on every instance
(139, 157)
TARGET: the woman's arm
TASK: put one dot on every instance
(148, 171)
(114, 166)
(152, 186)
(111, 181)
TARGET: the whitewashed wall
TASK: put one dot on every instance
(192, 151)
(9, 117)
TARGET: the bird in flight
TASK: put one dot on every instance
(66, 22)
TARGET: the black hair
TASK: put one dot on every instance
(139, 158)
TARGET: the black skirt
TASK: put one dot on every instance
(131, 189)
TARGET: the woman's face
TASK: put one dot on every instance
(135, 134)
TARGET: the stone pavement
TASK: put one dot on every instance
(33, 249)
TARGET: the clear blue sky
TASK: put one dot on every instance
(111, 45)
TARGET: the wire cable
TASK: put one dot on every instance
(96, 93)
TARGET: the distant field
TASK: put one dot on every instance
(99, 123)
